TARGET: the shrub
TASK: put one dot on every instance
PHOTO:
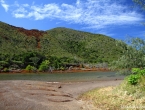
(62, 68)
(142, 72)
(135, 70)
(3, 63)
(34, 69)
(133, 79)
(1, 67)
(44, 65)
(6, 70)
(29, 68)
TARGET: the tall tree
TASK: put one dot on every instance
(133, 55)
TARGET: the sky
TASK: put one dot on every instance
(115, 18)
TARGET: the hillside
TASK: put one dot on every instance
(87, 46)
(19, 44)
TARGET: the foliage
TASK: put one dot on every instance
(60, 46)
(3, 63)
(133, 55)
(44, 65)
(62, 68)
(35, 60)
(142, 72)
(133, 79)
(29, 67)
(81, 46)
(5, 70)
(135, 70)
(141, 3)
(130, 93)
(115, 98)
(1, 67)
(138, 71)
(137, 76)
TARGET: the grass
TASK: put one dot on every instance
(122, 97)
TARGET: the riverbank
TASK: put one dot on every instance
(83, 70)
(40, 95)
(123, 97)
(74, 70)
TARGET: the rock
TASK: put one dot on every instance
(59, 87)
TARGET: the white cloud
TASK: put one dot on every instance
(91, 13)
(26, 5)
(21, 10)
(2, 1)
(78, 2)
(19, 15)
(4, 5)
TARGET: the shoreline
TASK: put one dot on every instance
(43, 95)
(59, 71)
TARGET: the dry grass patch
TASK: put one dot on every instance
(122, 97)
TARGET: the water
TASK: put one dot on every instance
(63, 77)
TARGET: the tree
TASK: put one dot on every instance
(35, 60)
(134, 51)
(141, 3)
(133, 55)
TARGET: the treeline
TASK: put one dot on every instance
(33, 61)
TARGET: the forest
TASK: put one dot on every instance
(39, 50)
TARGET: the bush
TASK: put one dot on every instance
(34, 69)
(6, 70)
(135, 70)
(62, 68)
(138, 76)
(1, 67)
(3, 63)
(44, 65)
(29, 68)
(133, 79)
(142, 72)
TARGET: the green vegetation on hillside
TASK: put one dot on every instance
(133, 56)
(21, 47)
(83, 46)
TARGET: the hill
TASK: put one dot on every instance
(19, 44)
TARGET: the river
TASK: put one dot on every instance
(63, 77)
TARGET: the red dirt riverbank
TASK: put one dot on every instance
(74, 70)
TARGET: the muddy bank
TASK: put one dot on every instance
(38, 95)
(76, 70)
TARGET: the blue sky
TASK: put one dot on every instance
(115, 18)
